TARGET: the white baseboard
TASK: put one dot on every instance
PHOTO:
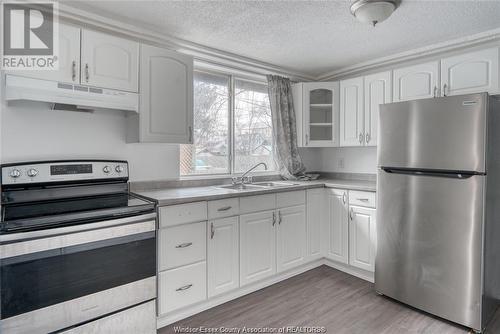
(186, 312)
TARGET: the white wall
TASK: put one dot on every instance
(355, 159)
(31, 131)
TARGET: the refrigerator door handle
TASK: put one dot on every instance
(448, 174)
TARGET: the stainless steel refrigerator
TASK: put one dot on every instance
(438, 210)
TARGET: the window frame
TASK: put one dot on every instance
(231, 130)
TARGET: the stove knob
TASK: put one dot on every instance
(119, 169)
(32, 172)
(106, 169)
(15, 173)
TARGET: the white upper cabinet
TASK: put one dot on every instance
(166, 103)
(338, 228)
(378, 90)
(416, 82)
(362, 238)
(68, 58)
(223, 256)
(351, 112)
(109, 61)
(291, 237)
(470, 73)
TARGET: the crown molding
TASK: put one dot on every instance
(426, 51)
(201, 53)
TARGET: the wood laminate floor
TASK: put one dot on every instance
(343, 304)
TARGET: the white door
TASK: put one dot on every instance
(416, 82)
(351, 112)
(166, 104)
(315, 219)
(109, 61)
(378, 90)
(291, 237)
(223, 255)
(320, 114)
(473, 72)
(68, 58)
(362, 238)
(338, 228)
(257, 246)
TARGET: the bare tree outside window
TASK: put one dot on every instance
(251, 124)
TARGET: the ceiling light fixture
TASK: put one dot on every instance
(373, 11)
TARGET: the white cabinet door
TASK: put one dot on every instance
(257, 246)
(362, 238)
(166, 104)
(291, 238)
(320, 114)
(470, 73)
(351, 112)
(416, 82)
(68, 58)
(378, 90)
(315, 218)
(223, 256)
(109, 61)
(338, 228)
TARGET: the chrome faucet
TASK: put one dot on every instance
(244, 178)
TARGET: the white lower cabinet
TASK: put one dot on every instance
(338, 228)
(223, 272)
(291, 237)
(314, 221)
(181, 287)
(362, 238)
(257, 246)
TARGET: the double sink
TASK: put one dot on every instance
(257, 186)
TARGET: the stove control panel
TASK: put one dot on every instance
(67, 171)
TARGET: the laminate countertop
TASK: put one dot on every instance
(170, 196)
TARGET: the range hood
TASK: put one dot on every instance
(79, 97)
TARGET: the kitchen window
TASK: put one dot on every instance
(232, 126)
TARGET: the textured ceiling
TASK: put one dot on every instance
(313, 37)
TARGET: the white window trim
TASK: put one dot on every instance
(232, 77)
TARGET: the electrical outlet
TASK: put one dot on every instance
(341, 163)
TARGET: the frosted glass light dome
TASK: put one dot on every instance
(373, 11)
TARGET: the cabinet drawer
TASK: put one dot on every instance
(183, 213)
(362, 198)
(290, 198)
(182, 287)
(257, 203)
(181, 245)
(223, 208)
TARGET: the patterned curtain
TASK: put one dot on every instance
(284, 128)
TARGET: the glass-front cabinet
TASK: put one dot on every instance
(316, 107)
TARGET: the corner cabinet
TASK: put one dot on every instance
(166, 102)
(316, 109)
(337, 227)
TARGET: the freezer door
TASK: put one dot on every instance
(443, 133)
(429, 232)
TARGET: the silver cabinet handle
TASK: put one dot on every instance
(367, 136)
(444, 89)
(185, 287)
(212, 230)
(363, 199)
(344, 198)
(190, 131)
(184, 245)
(279, 217)
(361, 138)
(435, 91)
(73, 70)
(274, 218)
(351, 214)
(224, 208)
(87, 74)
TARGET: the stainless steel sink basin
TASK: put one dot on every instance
(275, 184)
(241, 187)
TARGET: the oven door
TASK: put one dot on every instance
(57, 278)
